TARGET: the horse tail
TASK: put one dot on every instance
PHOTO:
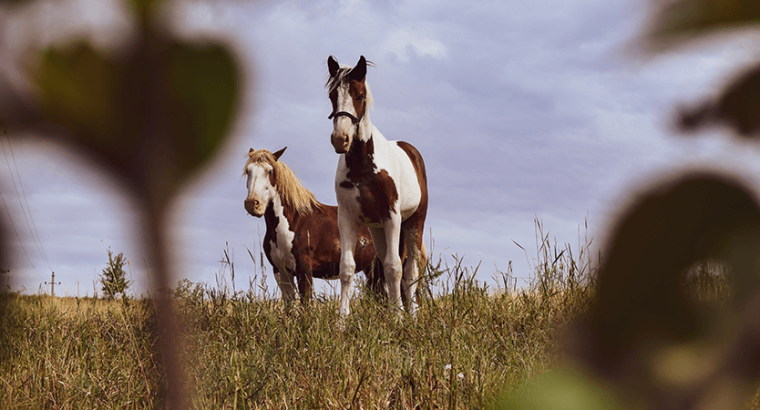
(423, 260)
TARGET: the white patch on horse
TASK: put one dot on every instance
(282, 249)
(394, 160)
(281, 252)
(346, 104)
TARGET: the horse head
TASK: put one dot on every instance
(261, 180)
(350, 97)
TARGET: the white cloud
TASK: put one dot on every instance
(402, 43)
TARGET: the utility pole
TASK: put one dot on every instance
(52, 284)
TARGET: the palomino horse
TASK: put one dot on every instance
(302, 238)
(380, 184)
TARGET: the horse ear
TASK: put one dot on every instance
(332, 66)
(278, 154)
(359, 72)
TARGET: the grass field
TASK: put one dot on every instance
(468, 345)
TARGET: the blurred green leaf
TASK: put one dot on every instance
(154, 116)
(142, 7)
(80, 89)
(202, 86)
(561, 389)
(645, 333)
(738, 106)
(14, 2)
(697, 217)
(688, 17)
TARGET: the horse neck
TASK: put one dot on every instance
(366, 130)
(277, 210)
(362, 155)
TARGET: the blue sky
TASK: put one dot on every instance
(522, 110)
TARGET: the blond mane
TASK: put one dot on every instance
(288, 187)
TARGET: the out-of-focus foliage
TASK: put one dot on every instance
(562, 389)
(738, 104)
(696, 17)
(153, 115)
(81, 90)
(202, 86)
(14, 2)
(649, 342)
(143, 6)
(652, 339)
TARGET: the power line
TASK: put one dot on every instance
(27, 211)
(10, 217)
(13, 225)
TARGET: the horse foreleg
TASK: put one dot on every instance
(391, 259)
(286, 284)
(305, 286)
(349, 229)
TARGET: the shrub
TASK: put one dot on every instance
(113, 279)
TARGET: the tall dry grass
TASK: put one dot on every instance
(468, 344)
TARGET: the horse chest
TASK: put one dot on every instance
(279, 239)
(376, 188)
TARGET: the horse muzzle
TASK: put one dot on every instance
(340, 143)
(254, 207)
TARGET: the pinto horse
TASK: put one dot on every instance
(379, 184)
(302, 238)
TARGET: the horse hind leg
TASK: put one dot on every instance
(415, 259)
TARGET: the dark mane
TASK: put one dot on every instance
(340, 78)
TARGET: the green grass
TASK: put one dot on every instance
(468, 344)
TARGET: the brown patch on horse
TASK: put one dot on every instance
(378, 198)
(316, 248)
(358, 92)
(377, 190)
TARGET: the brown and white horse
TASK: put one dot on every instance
(302, 238)
(379, 184)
